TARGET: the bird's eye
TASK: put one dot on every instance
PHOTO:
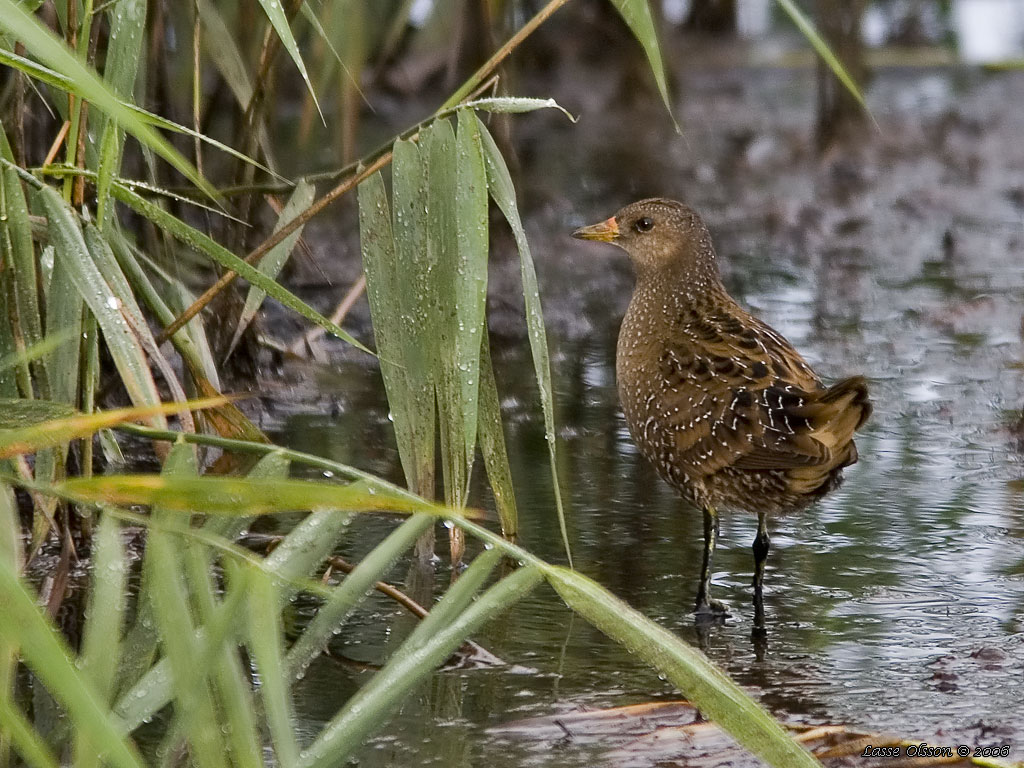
(644, 224)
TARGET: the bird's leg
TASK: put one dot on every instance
(761, 546)
(706, 606)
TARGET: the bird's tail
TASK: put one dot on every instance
(839, 412)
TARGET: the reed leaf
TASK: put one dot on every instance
(73, 258)
(366, 710)
(718, 698)
(236, 496)
(84, 83)
(396, 311)
(808, 30)
(275, 13)
(204, 244)
(637, 15)
(195, 710)
(47, 655)
(499, 183)
(101, 639)
(30, 439)
(353, 589)
(265, 641)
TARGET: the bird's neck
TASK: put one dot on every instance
(680, 287)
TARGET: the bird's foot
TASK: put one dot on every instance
(710, 611)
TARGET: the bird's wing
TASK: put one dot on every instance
(737, 394)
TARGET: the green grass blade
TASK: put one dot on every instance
(266, 643)
(47, 655)
(710, 689)
(237, 496)
(457, 599)
(499, 182)
(416, 327)
(101, 638)
(353, 589)
(492, 445)
(515, 105)
(32, 438)
(368, 708)
(18, 252)
(470, 282)
(407, 382)
(218, 253)
(275, 13)
(273, 262)
(43, 44)
(194, 706)
(808, 30)
(23, 737)
(14, 730)
(124, 52)
(74, 258)
(64, 321)
(637, 15)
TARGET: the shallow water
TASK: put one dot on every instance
(896, 604)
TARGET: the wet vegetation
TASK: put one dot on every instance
(171, 576)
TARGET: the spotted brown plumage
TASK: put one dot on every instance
(729, 413)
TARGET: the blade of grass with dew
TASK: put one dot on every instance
(110, 271)
(190, 341)
(194, 705)
(499, 182)
(101, 636)
(47, 47)
(218, 253)
(229, 680)
(808, 30)
(265, 641)
(416, 326)
(368, 708)
(413, 423)
(60, 431)
(637, 15)
(18, 252)
(18, 413)
(9, 387)
(274, 260)
(273, 466)
(64, 306)
(492, 445)
(298, 554)
(141, 641)
(237, 496)
(515, 105)
(13, 728)
(124, 52)
(718, 697)
(456, 600)
(150, 119)
(18, 732)
(470, 277)
(275, 13)
(353, 589)
(440, 281)
(47, 655)
(73, 257)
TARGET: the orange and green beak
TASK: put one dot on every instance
(606, 232)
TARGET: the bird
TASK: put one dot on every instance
(722, 405)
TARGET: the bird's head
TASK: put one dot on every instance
(659, 235)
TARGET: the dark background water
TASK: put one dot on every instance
(897, 603)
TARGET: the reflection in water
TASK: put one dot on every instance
(898, 603)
